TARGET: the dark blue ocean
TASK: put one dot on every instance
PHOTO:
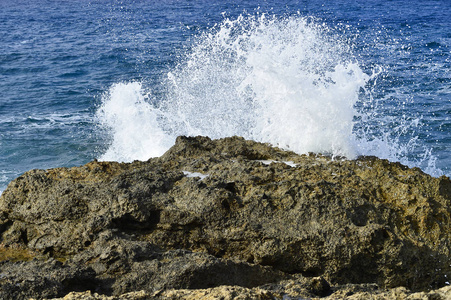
(119, 80)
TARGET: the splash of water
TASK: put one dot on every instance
(133, 123)
(282, 81)
(286, 81)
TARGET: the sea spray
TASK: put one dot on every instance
(283, 81)
(288, 81)
(133, 123)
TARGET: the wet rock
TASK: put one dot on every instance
(228, 212)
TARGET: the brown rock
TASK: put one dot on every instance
(232, 212)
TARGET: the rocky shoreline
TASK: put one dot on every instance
(227, 219)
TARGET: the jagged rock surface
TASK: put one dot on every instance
(228, 212)
(292, 291)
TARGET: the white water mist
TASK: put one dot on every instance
(133, 124)
(287, 81)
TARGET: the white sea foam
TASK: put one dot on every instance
(195, 175)
(288, 81)
(268, 162)
(3, 179)
(133, 123)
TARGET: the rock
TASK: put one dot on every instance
(140, 295)
(228, 212)
(350, 292)
(48, 278)
(401, 293)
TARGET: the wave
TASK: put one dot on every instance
(289, 81)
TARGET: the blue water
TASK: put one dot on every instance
(61, 61)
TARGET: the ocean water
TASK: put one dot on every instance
(119, 80)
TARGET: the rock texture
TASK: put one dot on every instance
(229, 219)
(351, 292)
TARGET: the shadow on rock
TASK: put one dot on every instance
(227, 212)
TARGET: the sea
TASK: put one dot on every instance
(120, 80)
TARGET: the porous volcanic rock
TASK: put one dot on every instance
(230, 212)
(292, 290)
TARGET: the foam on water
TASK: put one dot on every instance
(288, 81)
(133, 123)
